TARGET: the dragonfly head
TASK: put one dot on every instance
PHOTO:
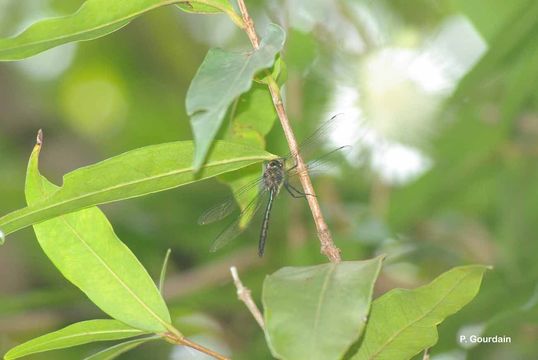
(275, 164)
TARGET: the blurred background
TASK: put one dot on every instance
(440, 101)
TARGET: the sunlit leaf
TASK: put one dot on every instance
(95, 18)
(118, 349)
(221, 78)
(84, 247)
(76, 334)
(142, 171)
(404, 322)
(318, 312)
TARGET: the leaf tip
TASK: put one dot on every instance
(39, 138)
(382, 257)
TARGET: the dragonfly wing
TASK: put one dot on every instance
(218, 212)
(319, 136)
(325, 162)
(239, 224)
(224, 209)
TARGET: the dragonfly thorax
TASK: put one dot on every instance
(273, 175)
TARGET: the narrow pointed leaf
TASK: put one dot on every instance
(118, 349)
(135, 173)
(76, 334)
(318, 312)
(221, 78)
(404, 322)
(94, 19)
(84, 247)
(162, 276)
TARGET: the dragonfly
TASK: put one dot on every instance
(277, 175)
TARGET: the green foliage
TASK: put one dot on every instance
(139, 172)
(403, 322)
(481, 186)
(94, 19)
(116, 350)
(318, 312)
(76, 334)
(221, 78)
(83, 240)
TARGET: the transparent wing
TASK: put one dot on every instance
(324, 162)
(239, 224)
(316, 138)
(224, 209)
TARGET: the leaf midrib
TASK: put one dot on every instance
(147, 179)
(117, 277)
(102, 26)
(323, 292)
(100, 259)
(393, 337)
(86, 333)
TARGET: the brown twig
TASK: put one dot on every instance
(214, 273)
(327, 245)
(178, 339)
(243, 294)
(249, 25)
(426, 356)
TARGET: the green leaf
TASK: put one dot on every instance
(252, 117)
(205, 7)
(221, 78)
(163, 270)
(318, 312)
(94, 19)
(404, 322)
(138, 172)
(279, 73)
(118, 349)
(84, 247)
(76, 334)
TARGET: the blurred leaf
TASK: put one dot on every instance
(301, 50)
(221, 78)
(83, 246)
(478, 138)
(318, 312)
(118, 349)
(404, 322)
(95, 18)
(163, 270)
(490, 18)
(517, 32)
(206, 6)
(76, 334)
(138, 172)
(521, 84)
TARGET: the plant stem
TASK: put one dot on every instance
(327, 245)
(243, 294)
(176, 338)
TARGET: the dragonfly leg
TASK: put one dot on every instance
(298, 193)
